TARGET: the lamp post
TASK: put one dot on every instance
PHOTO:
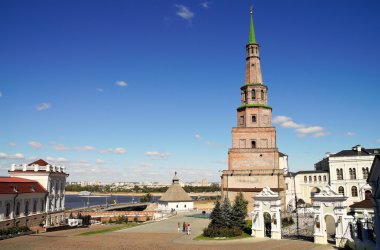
(296, 202)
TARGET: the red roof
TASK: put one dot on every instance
(39, 162)
(13, 185)
(362, 204)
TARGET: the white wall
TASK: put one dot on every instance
(177, 206)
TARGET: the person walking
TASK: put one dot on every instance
(179, 227)
(188, 229)
(184, 227)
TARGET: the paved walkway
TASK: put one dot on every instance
(156, 235)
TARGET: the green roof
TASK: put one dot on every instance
(252, 37)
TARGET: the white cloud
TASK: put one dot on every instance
(300, 129)
(121, 83)
(157, 155)
(43, 106)
(184, 12)
(60, 147)
(99, 161)
(207, 142)
(56, 160)
(114, 151)
(12, 144)
(35, 144)
(7, 156)
(349, 133)
(85, 148)
(204, 5)
(99, 89)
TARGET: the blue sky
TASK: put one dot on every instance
(135, 90)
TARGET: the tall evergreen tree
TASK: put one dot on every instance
(226, 213)
(239, 211)
(216, 216)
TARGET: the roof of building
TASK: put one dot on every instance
(175, 192)
(363, 204)
(355, 152)
(39, 162)
(14, 185)
(312, 172)
(282, 154)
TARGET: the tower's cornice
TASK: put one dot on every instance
(253, 84)
(255, 105)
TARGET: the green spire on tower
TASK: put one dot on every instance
(252, 38)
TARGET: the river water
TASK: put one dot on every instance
(78, 201)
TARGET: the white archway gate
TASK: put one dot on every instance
(330, 203)
(266, 201)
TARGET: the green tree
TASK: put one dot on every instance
(216, 216)
(226, 213)
(239, 211)
(146, 198)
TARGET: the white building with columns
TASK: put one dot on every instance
(349, 171)
(53, 179)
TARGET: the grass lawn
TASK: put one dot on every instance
(244, 235)
(110, 229)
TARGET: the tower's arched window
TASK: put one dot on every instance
(354, 191)
(262, 94)
(254, 119)
(7, 210)
(354, 173)
(245, 96)
(26, 212)
(305, 178)
(18, 208)
(309, 178)
(315, 178)
(341, 190)
(253, 144)
(253, 94)
(324, 178)
(319, 178)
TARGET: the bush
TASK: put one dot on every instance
(213, 232)
(248, 227)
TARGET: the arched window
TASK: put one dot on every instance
(253, 93)
(315, 178)
(354, 174)
(18, 208)
(339, 174)
(245, 96)
(26, 212)
(324, 178)
(350, 173)
(42, 205)
(262, 94)
(35, 206)
(305, 178)
(354, 191)
(7, 210)
(309, 178)
(365, 173)
(341, 190)
(254, 119)
(319, 178)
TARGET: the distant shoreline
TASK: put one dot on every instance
(140, 194)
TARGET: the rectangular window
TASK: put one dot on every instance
(254, 119)
(253, 144)
(242, 143)
(241, 120)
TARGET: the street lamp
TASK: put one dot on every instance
(296, 201)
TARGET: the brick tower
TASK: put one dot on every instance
(253, 160)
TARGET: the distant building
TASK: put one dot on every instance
(175, 198)
(349, 171)
(53, 179)
(303, 184)
(22, 202)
